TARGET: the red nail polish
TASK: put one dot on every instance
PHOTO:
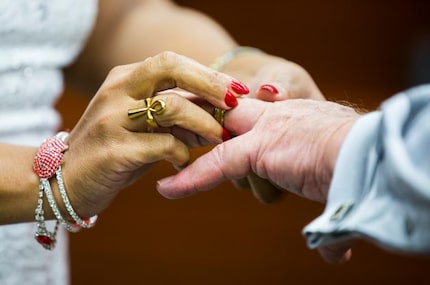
(225, 135)
(239, 87)
(269, 88)
(230, 100)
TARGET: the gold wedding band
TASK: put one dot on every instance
(219, 115)
(151, 107)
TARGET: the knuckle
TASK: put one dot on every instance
(117, 77)
(174, 103)
(102, 126)
(171, 145)
(167, 59)
(118, 70)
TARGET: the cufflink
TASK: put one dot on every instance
(341, 212)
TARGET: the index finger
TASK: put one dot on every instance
(169, 70)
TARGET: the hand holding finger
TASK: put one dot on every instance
(224, 162)
(169, 110)
(281, 141)
(109, 147)
(282, 80)
(169, 70)
(271, 79)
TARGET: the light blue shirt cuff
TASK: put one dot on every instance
(381, 150)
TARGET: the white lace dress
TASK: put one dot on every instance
(37, 39)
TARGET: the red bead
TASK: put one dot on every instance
(44, 240)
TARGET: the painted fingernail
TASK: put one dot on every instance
(225, 135)
(239, 87)
(269, 88)
(230, 100)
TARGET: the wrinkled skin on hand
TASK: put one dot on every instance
(293, 144)
(290, 81)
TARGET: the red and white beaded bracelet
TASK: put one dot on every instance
(46, 164)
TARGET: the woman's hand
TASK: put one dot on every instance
(272, 78)
(108, 150)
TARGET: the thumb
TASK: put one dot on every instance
(225, 161)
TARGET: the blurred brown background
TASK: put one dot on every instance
(361, 51)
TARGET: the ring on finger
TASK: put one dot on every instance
(151, 107)
(219, 115)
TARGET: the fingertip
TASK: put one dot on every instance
(267, 92)
(230, 100)
(342, 258)
(242, 184)
(347, 256)
(225, 135)
(163, 187)
(180, 167)
(268, 196)
(270, 89)
(172, 188)
(238, 87)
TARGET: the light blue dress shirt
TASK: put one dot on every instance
(381, 184)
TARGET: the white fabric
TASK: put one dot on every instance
(381, 184)
(37, 39)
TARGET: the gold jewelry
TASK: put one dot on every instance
(157, 107)
(219, 115)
